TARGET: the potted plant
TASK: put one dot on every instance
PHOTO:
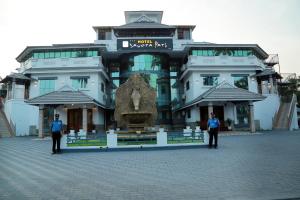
(229, 122)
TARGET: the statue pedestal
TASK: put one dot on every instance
(112, 139)
(162, 138)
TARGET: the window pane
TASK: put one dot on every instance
(241, 82)
(57, 54)
(35, 55)
(68, 54)
(73, 54)
(46, 54)
(51, 55)
(95, 53)
(63, 54)
(46, 86)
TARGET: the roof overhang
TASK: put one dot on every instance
(29, 49)
(64, 97)
(224, 92)
(255, 47)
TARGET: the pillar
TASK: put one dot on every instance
(84, 119)
(252, 124)
(210, 109)
(235, 115)
(13, 89)
(271, 89)
(41, 121)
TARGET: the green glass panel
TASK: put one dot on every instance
(51, 54)
(95, 53)
(68, 54)
(90, 53)
(47, 55)
(57, 54)
(35, 55)
(63, 54)
(73, 54)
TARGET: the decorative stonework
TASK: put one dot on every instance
(135, 104)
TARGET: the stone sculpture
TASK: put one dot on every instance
(135, 104)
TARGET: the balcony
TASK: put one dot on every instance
(195, 61)
(61, 62)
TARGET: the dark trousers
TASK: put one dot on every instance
(213, 133)
(56, 140)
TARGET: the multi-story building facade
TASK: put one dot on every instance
(191, 79)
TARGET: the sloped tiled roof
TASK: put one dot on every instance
(16, 76)
(150, 25)
(268, 72)
(63, 96)
(225, 92)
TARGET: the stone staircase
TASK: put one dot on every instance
(284, 115)
(5, 130)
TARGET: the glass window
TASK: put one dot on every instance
(89, 53)
(210, 80)
(188, 113)
(73, 54)
(79, 83)
(241, 81)
(47, 55)
(242, 112)
(102, 87)
(63, 54)
(35, 55)
(187, 85)
(95, 53)
(46, 86)
(183, 34)
(68, 54)
(51, 54)
(57, 54)
(41, 55)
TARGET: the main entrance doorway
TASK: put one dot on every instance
(74, 119)
(204, 116)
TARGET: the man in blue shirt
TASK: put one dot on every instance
(56, 130)
(213, 125)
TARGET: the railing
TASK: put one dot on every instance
(12, 127)
(121, 140)
(291, 110)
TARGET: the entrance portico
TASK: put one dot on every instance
(227, 102)
(77, 110)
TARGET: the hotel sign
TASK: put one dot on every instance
(134, 44)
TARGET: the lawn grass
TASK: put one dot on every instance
(184, 140)
(80, 143)
(141, 142)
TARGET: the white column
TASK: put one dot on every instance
(13, 89)
(252, 124)
(84, 119)
(271, 84)
(41, 124)
(235, 115)
(210, 109)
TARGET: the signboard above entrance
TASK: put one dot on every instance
(134, 44)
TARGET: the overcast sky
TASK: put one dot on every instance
(272, 24)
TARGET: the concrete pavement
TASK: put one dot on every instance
(261, 166)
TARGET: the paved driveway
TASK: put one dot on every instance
(265, 166)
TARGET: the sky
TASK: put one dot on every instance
(272, 24)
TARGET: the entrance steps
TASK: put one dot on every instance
(5, 130)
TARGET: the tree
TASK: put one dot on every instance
(287, 89)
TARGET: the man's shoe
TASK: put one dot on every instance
(209, 146)
(53, 152)
(216, 147)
